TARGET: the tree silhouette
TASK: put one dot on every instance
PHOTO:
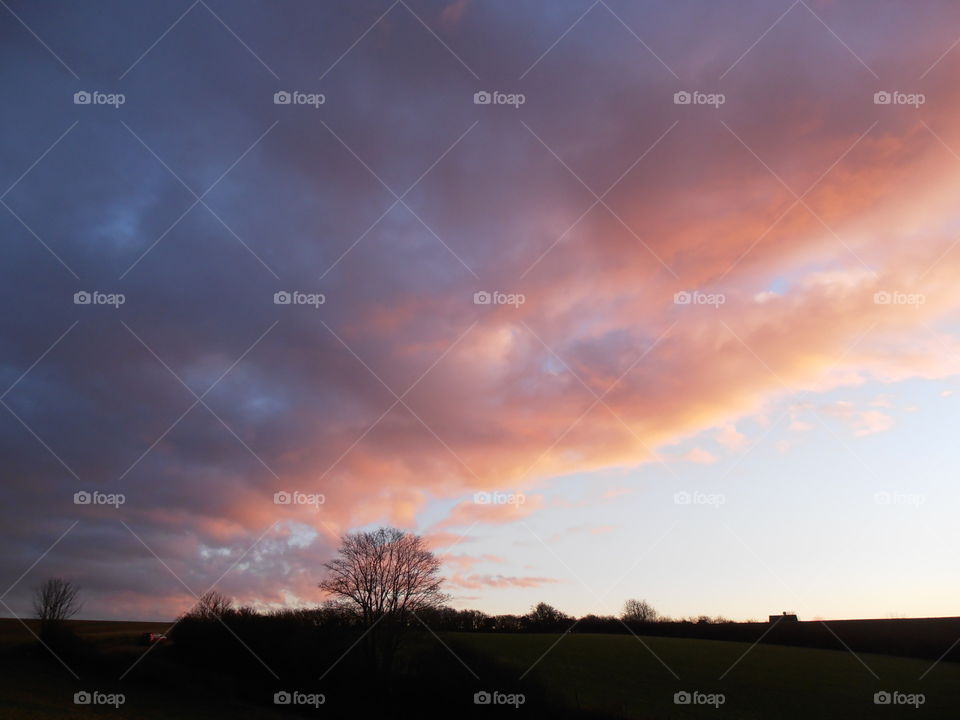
(638, 611)
(54, 602)
(545, 618)
(211, 605)
(386, 576)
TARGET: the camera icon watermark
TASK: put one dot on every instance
(295, 697)
(894, 297)
(499, 498)
(885, 497)
(482, 297)
(895, 97)
(84, 97)
(695, 97)
(695, 297)
(894, 697)
(84, 497)
(696, 497)
(84, 297)
(684, 697)
(496, 97)
(95, 697)
(296, 97)
(295, 497)
(295, 297)
(484, 697)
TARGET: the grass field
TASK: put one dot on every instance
(617, 674)
(610, 675)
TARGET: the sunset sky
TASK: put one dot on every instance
(784, 441)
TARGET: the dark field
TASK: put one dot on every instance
(619, 675)
(582, 675)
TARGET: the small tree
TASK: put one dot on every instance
(54, 602)
(639, 611)
(545, 617)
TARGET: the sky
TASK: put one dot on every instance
(604, 299)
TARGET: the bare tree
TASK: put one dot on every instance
(384, 576)
(55, 601)
(211, 605)
(638, 611)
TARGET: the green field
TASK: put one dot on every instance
(617, 674)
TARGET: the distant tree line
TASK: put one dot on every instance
(637, 614)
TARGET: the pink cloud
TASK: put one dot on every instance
(862, 422)
(700, 457)
(477, 582)
(470, 512)
(442, 541)
(462, 563)
(602, 529)
(730, 437)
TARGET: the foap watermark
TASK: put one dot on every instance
(699, 498)
(296, 497)
(499, 498)
(295, 97)
(895, 498)
(95, 297)
(894, 697)
(83, 97)
(482, 297)
(887, 297)
(482, 97)
(695, 97)
(895, 97)
(695, 297)
(295, 697)
(295, 297)
(484, 697)
(95, 697)
(83, 497)
(695, 697)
